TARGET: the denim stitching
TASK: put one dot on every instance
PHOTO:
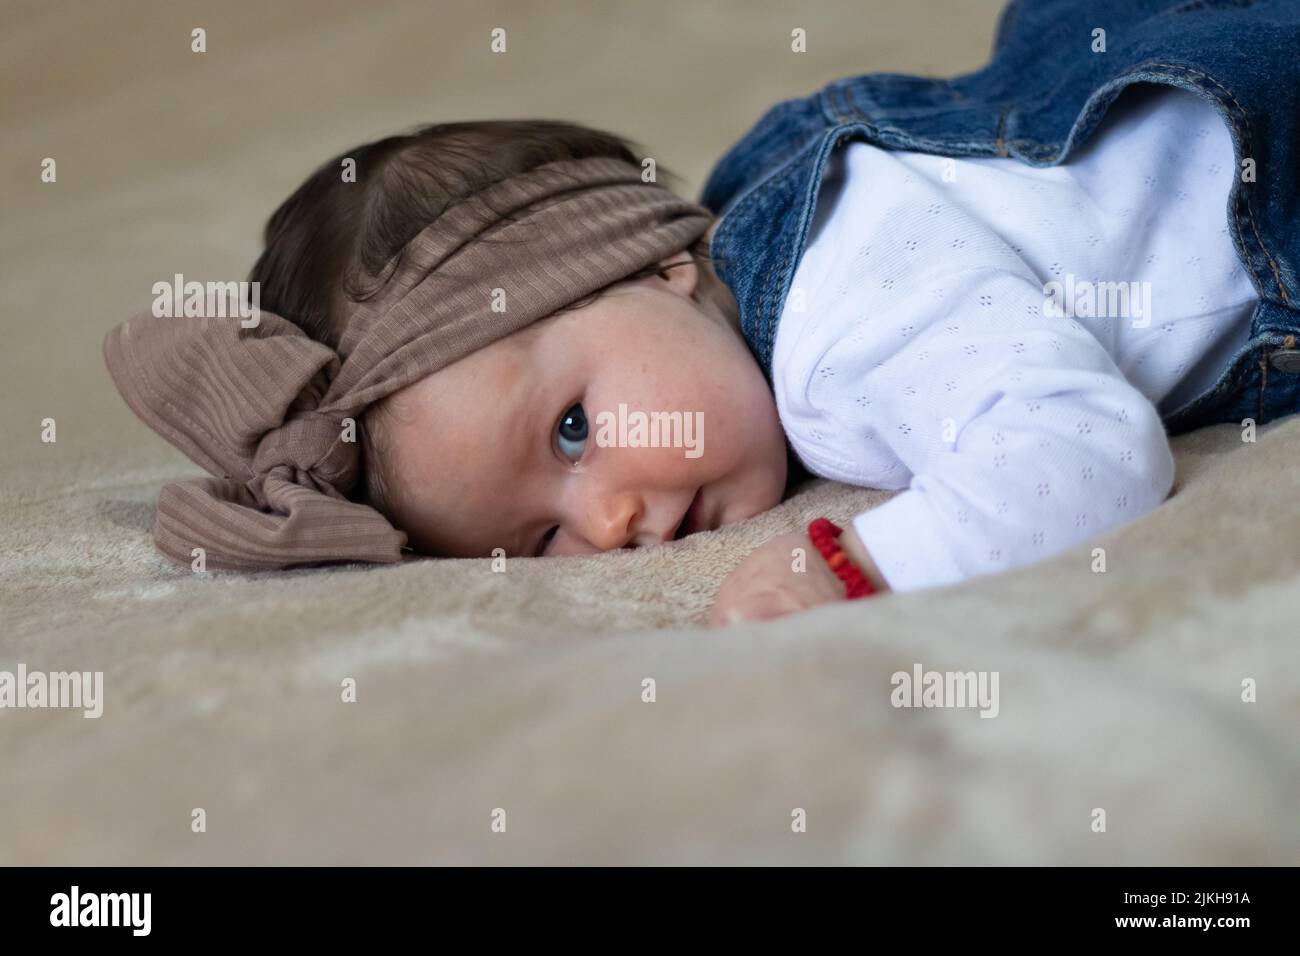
(1250, 212)
(768, 329)
(1002, 125)
(752, 195)
(840, 96)
(1263, 380)
(1254, 225)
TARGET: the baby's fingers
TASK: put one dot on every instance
(753, 606)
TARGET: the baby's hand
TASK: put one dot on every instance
(767, 584)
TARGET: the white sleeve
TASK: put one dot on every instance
(1021, 435)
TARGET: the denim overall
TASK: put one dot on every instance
(1038, 100)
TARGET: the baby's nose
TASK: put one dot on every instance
(614, 522)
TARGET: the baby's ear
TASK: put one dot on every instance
(681, 272)
(676, 259)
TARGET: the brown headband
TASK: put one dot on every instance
(263, 408)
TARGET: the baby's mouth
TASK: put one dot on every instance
(691, 518)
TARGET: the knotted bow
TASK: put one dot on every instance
(272, 413)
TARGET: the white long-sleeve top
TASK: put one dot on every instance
(925, 347)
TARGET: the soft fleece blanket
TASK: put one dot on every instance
(522, 691)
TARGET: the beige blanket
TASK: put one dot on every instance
(518, 696)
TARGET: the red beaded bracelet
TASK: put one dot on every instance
(823, 533)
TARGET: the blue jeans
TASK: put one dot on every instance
(1057, 66)
(1261, 383)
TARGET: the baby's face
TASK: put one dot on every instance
(517, 445)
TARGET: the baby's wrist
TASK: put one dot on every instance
(857, 551)
(854, 568)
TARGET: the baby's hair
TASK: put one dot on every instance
(334, 240)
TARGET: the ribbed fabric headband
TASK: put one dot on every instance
(263, 408)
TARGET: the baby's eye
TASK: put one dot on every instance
(572, 432)
(546, 539)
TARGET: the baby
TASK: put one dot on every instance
(1000, 312)
(516, 463)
